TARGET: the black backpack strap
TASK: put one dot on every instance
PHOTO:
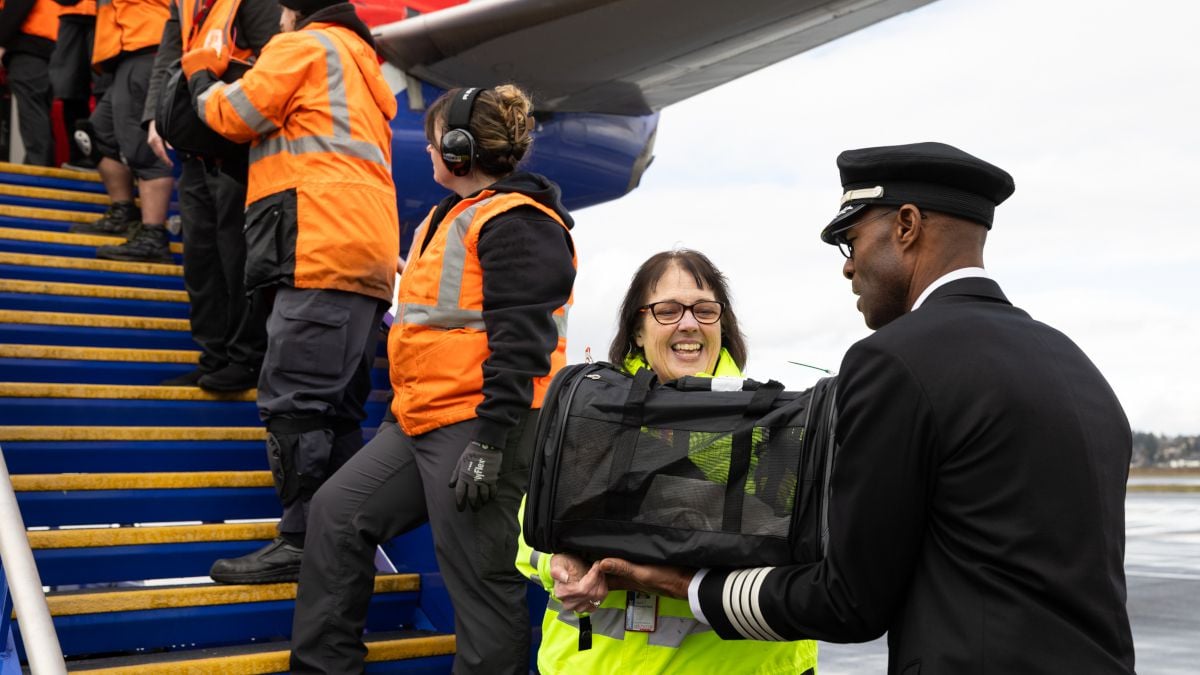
(743, 446)
(626, 442)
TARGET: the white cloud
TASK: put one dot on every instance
(1090, 105)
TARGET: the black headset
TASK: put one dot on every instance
(458, 145)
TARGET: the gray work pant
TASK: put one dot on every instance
(395, 484)
(228, 326)
(30, 86)
(313, 389)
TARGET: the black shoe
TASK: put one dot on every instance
(233, 377)
(276, 562)
(145, 244)
(119, 220)
(188, 379)
(84, 164)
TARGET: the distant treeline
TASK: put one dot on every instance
(1173, 451)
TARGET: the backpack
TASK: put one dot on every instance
(178, 124)
(699, 472)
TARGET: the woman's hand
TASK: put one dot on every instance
(577, 586)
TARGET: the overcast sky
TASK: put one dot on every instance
(1091, 105)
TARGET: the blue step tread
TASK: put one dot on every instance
(96, 277)
(109, 564)
(56, 249)
(92, 507)
(81, 185)
(91, 336)
(112, 372)
(119, 412)
(133, 456)
(48, 203)
(39, 302)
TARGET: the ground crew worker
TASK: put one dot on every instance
(480, 331)
(229, 327)
(322, 233)
(28, 29)
(127, 35)
(72, 79)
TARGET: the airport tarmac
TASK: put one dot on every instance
(1162, 568)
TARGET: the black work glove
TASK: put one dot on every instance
(476, 475)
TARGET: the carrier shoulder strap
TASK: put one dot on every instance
(739, 457)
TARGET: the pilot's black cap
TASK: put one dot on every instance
(933, 176)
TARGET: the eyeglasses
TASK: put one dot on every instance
(669, 312)
(845, 245)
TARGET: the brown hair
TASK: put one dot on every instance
(500, 124)
(706, 275)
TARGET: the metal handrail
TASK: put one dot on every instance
(37, 629)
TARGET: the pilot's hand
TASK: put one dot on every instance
(654, 579)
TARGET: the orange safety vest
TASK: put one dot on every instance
(42, 20)
(438, 342)
(315, 108)
(82, 8)
(127, 26)
(219, 18)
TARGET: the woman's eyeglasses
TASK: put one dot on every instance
(669, 312)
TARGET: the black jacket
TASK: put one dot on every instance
(977, 505)
(13, 39)
(527, 274)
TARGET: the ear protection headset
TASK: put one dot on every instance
(458, 145)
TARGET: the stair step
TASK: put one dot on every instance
(25, 295)
(111, 564)
(200, 595)
(96, 330)
(272, 657)
(135, 455)
(40, 403)
(140, 481)
(84, 242)
(98, 621)
(91, 498)
(98, 433)
(93, 365)
(69, 275)
(36, 213)
(156, 534)
(56, 194)
(48, 172)
(17, 351)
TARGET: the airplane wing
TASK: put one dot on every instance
(627, 57)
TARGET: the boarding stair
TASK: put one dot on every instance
(129, 490)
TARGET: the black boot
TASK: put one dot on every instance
(276, 562)
(233, 377)
(146, 244)
(188, 379)
(119, 219)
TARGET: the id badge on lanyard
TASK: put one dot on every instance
(641, 612)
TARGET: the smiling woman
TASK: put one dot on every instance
(677, 319)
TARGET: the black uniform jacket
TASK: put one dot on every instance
(977, 505)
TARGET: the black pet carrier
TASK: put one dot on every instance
(700, 472)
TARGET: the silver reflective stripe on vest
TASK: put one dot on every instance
(610, 622)
(340, 142)
(535, 557)
(447, 314)
(202, 99)
(246, 110)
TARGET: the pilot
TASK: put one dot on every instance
(480, 332)
(322, 237)
(977, 509)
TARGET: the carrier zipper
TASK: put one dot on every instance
(562, 431)
(825, 488)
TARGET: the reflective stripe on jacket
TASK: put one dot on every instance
(438, 342)
(219, 20)
(127, 26)
(315, 108)
(679, 644)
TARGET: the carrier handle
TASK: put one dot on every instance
(742, 447)
(626, 442)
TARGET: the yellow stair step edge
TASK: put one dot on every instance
(49, 172)
(57, 194)
(76, 433)
(92, 320)
(69, 238)
(91, 291)
(206, 595)
(137, 392)
(88, 537)
(56, 482)
(92, 264)
(66, 353)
